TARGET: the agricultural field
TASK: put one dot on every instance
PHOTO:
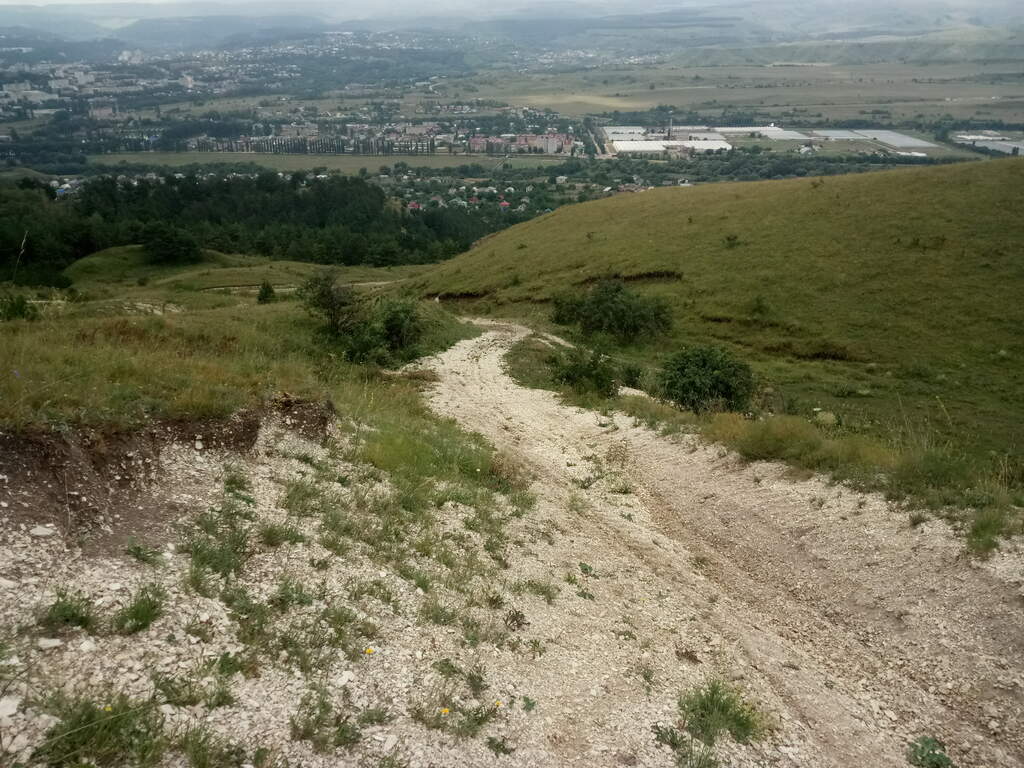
(836, 91)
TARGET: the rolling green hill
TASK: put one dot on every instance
(892, 299)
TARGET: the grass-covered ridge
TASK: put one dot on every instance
(891, 300)
(141, 342)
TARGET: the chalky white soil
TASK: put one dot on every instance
(852, 632)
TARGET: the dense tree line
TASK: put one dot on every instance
(339, 220)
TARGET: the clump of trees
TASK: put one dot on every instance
(338, 220)
(611, 308)
(707, 378)
(382, 330)
(166, 244)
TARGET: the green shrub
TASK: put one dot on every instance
(585, 371)
(929, 752)
(379, 331)
(707, 378)
(337, 305)
(266, 294)
(17, 307)
(631, 375)
(609, 307)
(401, 326)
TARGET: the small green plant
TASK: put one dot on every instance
(645, 672)
(219, 695)
(436, 612)
(539, 588)
(476, 680)
(707, 378)
(375, 588)
(205, 749)
(317, 722)
(537, 648)
(119, 731)
(178, 691)
(529, 704)
(715, 708)
(290, 592)
(142, 553)
(516, 620)
(447, 668)
(588, 570)
(303, 498)
(198, 629)
(473, 720)
(68, 610)
(499, 746)
(276, 534)
(929, 752)
(144, 607)
(375, 716)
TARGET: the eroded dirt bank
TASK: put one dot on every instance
(856, 632)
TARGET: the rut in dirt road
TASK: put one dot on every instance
(854, 631)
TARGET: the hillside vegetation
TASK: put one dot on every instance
(891, 300)
(141, 341)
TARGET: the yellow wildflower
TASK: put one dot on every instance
(368, 651)
(108, 708)
(497, 703)
(444, 711)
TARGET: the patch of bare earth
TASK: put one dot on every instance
(854, 631)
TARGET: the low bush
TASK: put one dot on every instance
(380, 330)
(705, 378)
(17, 307)
(609, 307)
(585, 372)
(266, 293)
(631, 375)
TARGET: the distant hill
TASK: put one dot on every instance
(205, 31)
(892, 298)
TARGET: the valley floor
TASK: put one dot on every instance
(855, 632)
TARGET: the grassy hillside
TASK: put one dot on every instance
(142, 342)
(891, 299)
(126, 265)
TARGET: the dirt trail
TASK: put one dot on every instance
(854, 631)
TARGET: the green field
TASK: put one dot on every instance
(833, 90)
(889, 299)
(343, 163)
